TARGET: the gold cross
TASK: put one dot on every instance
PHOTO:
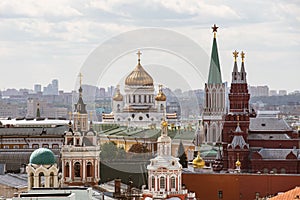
(235, 55)
(80, 78)
(139, 54)
(243, 56)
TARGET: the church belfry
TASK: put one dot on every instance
(214, 105)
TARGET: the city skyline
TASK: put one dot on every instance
(43, 41)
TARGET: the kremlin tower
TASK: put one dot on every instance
(236, 125)
(214, 105)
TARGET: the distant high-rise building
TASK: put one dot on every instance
(52, 88)
(273, 93)
(258, 91)
(282, 92)
(37, 88)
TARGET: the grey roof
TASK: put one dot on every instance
(238, 140)
(268, 124)
(278, 154)
(25, 131)
(14, 180)
(268, 136)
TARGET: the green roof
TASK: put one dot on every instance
(42, 156)
(214, 76)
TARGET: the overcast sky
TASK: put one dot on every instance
(43, 40)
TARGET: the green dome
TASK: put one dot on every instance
(42, 156)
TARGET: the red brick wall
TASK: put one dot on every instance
(238, 186)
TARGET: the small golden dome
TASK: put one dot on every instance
(238, 163)
(160, 96)
(139, 76)
(198, 162)
(164, 123)
(118, 96)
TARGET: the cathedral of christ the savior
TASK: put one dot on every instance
(139, 106)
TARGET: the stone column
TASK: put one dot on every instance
(83, 170)
(47, 181)
(36, 181)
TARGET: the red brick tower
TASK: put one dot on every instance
(236, 125)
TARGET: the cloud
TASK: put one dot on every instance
(32, 9)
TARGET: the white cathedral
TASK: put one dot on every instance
(139, 106)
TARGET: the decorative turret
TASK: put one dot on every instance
(243, 72)
(118, 96)
(80, 113)
(235, 72)
(80, 106)
(160, 96)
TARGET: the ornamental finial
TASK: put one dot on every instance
(214, 28)
(235, 55)
(139, 56)
(243, 56)
(80, 78)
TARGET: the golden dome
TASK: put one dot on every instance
(160, 96)
(238, 163)
(118, 96)
(139, 76)
(164, 123)
(198, 162)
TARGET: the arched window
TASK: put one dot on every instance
(67, 170)
(162, 183)
(89, 169)
(77, 169)
(41, 179)
(214, 134)
(274, 170)
(173, 182)
(282, 171)
(51, 184)
(265, 170)
(153, 182)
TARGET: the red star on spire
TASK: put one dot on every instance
(214, 28)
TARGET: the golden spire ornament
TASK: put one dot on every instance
(139, 56)
(242, 56)
(235, 55)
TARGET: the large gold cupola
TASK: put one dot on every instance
(160, 96)
(139, 77)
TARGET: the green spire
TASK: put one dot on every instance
(214, 69)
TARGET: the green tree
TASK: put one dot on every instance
(110, 151)
(182, 155)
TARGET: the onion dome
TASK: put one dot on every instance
(42, 156)
(160, 96)
(139, 77)
(118, 96)
(198, 162)
(238, 163)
